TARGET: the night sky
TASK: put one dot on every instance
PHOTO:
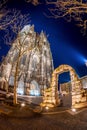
(68, 45)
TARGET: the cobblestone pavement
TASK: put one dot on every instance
(26, 119)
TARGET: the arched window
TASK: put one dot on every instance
(23, 59)
(11, 81)
(20, 89)
(35, 62)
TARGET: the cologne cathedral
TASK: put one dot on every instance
(35, 66)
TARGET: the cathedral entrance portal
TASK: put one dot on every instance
(51, 95)
(34, 88)
(20, 89)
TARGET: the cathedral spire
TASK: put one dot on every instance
(32, 29)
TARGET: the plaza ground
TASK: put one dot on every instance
(25, 118)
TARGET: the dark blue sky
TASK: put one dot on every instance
(67, 44)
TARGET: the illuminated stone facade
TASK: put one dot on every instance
(65, 88)
(84, 82)
(35, 67)
(51, 95)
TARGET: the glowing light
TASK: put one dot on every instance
(20, 92)
(22, 104)
(20, 89)
(34, 92)
(73, 109)
(47, 108)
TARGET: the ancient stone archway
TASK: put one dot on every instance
(51, 96)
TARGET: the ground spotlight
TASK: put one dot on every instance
(46, 107)
(22, 104)
(73, 109)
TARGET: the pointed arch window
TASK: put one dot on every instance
(35, 62)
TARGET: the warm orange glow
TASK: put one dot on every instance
(51, 96)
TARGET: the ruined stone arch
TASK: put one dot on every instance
(75, 82)
(51, 95)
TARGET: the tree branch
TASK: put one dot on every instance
(71, 10)
(13, 23)
(34, 2)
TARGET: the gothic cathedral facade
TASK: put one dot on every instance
(35, 66)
